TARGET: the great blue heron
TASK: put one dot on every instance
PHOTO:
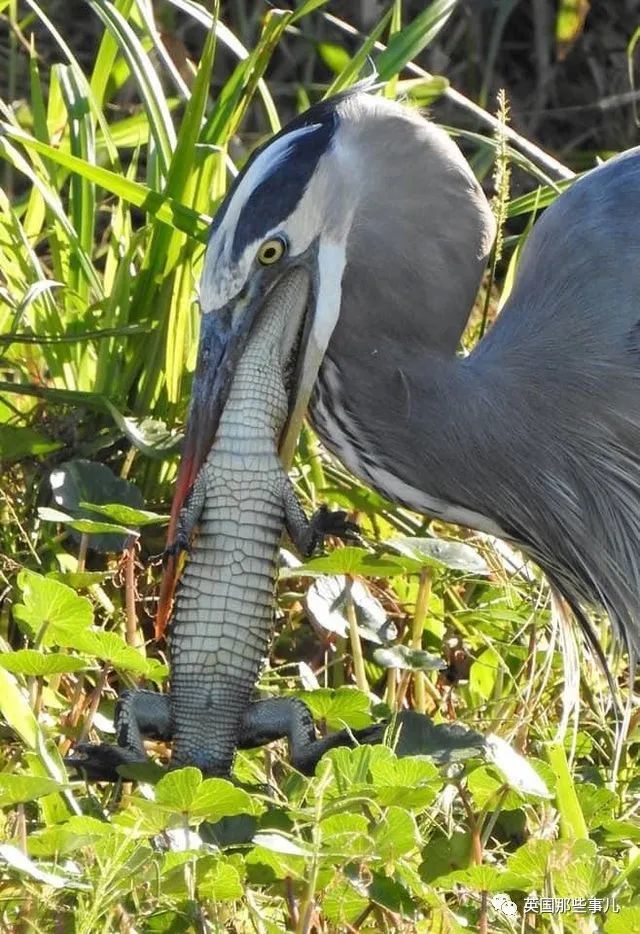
(535, 436)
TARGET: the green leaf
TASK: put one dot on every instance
(184, 791)
(82, 481)
(457, 556)
(410, 41)
(342, 903)
(166, 210)
(17, 443)
(345, 835)
(411, 783)
(396, 834)
(354, 561)
(69, 837)
(484, 672)
(15, 789)
(424, 91)
(392, 895)
(624, 921)
(401, 656)
(16, 710)
(51, 613)
(110, 647)
(572, 823)
(345, 706)
(517, 771)
(335, 57)
(126, 515)
(88, 526)
(221, 882)
(33, 663)
(22, 864)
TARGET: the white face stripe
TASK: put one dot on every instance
(222, 278)
(266, 163)
(332, 257)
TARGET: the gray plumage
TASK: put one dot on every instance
(534, 436)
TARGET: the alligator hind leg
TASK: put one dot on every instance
(139, 714)
(279, 717)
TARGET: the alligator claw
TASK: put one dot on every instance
(325, 522)
(99, 762)
(175, 549)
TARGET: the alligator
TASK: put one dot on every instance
(231, 525)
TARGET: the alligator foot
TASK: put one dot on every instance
(309, 534)
(177, 547)
(325, 522)
(99, 762)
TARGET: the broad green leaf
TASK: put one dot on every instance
(185, 791)
(126, 515)
(345, 706)
(484, 672)
(457, 556)
(281, 843)
(16, 710)
(36, 664)
(342, 903)
(17, 443)
(221, 882)
(81, 481)
(266, 864)
(412, 783)
(517, 771)
(52, 613)
(392, 895)
(327, 600)
(68, 837)
(396, 834)
(345, 835)
(624, 921)
(16, 788)
(110, 647)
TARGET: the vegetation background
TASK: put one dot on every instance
(120, 126)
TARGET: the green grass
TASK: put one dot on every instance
(109, 178)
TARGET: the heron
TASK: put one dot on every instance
(534, 436)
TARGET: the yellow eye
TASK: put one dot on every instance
(271, 251)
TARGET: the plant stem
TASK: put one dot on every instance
(422, 602)
(356, 644)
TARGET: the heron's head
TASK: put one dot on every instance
(341, 193)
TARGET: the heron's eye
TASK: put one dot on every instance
(271, 251)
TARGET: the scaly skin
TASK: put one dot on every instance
(225, 602)
(223, 616)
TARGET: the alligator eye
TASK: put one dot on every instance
(272, 250)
